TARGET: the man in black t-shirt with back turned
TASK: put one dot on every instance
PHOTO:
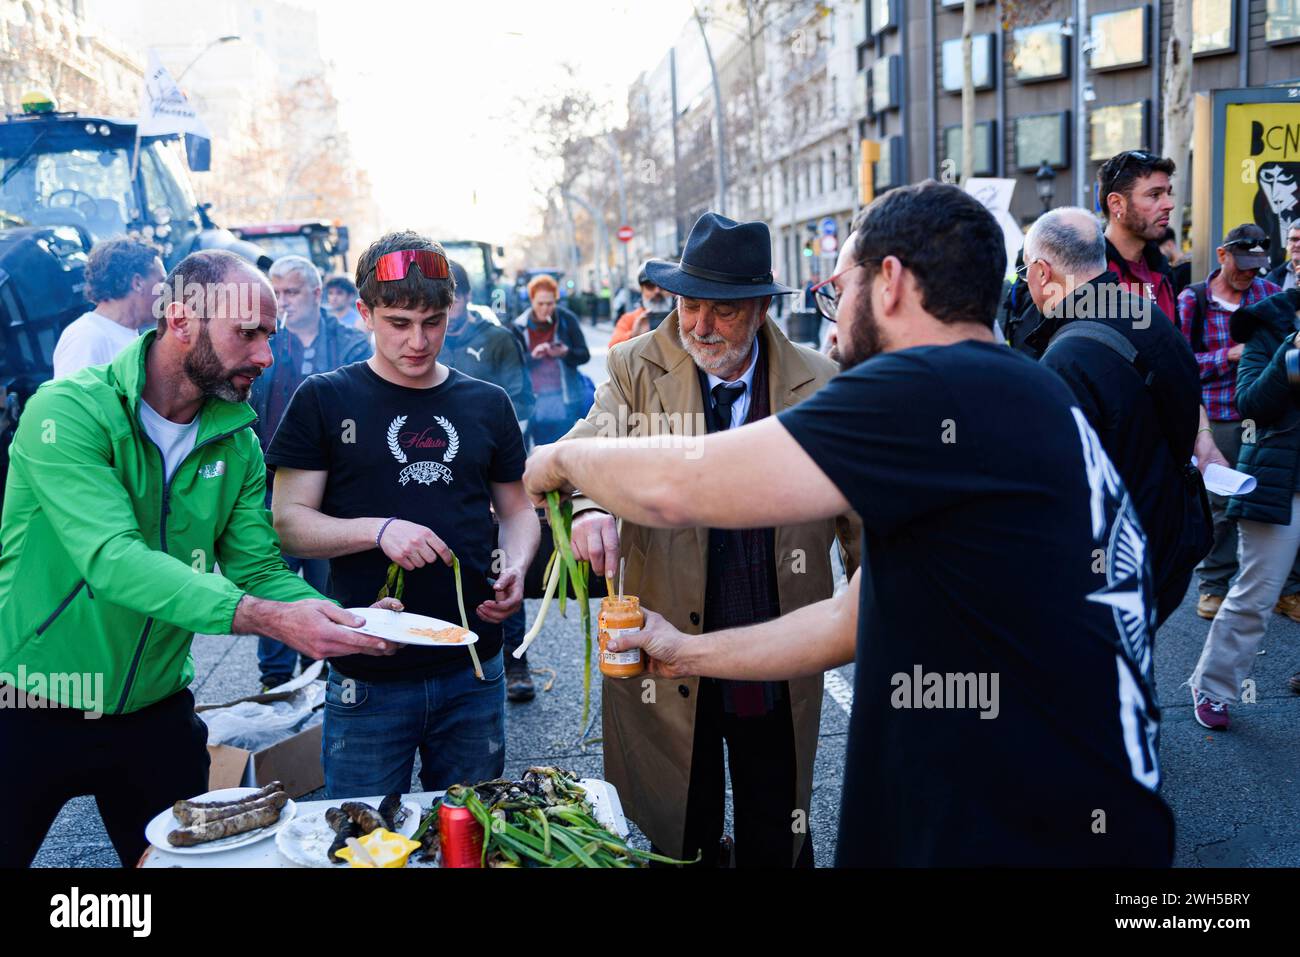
(996, 720)
(401, 459)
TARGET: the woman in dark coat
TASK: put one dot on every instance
(1269, 517)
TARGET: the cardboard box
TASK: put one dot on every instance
(295, 760)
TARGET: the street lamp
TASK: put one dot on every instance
(217, 42)
(1046, 179)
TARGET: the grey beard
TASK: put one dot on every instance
(717, 364)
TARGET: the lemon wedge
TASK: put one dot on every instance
(383, 847)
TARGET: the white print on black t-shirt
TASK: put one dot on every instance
(1128, 585)
(415, 441)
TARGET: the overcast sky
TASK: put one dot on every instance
(429, 95)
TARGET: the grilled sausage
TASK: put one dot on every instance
(194, 814)
(259, 795)
(226, 827)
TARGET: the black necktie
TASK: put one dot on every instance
(725, 395)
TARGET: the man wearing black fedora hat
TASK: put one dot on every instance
(716, 362)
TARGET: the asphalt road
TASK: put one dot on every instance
(1234, 794)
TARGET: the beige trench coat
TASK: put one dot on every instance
(649, 724)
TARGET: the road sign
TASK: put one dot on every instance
(625, 234)
(829, 244)
(828, 226)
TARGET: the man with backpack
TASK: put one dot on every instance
(1135, 381)
(1204, 311)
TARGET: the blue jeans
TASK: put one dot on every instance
(373, 729)
(276, 659)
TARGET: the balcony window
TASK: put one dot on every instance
(1043, 137)
(1119, 39)
(1117, 128)
(1213, 27)
(981, 62)
(1282, 21)
(1040, 52)
(985, 163)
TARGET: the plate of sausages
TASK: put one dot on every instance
(221, 820)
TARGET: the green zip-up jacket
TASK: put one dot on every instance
(107, 569)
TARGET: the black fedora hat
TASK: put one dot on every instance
(723, 259)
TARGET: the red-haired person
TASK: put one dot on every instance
(556, 348)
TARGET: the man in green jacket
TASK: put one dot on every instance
(130, 484)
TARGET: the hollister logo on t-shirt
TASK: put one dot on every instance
(425, 451)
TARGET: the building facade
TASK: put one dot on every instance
(50, 46)
(839, 72)
(1034, 84)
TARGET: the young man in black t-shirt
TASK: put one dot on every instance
(998, 719)
(401, 459)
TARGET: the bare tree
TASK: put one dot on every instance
(568, 124)
(294, 163)
(967, 91)
(1177, 101)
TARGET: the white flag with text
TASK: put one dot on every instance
(163, 107)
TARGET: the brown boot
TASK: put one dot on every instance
(1289, 605)
(519, 679)
(1208, 606)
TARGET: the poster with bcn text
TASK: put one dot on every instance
(1261, 170)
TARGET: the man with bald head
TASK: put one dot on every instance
(135, 515)
(1134, 378)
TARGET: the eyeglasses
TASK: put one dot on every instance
(1022, 272)
(1248, 244)
(393, 266)
(827, 297)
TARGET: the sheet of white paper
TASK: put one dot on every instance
(1223, 481)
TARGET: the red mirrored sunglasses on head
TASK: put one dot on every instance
(393, 266)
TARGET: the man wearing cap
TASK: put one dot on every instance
(1205, 310)
(716, 362)
(654, 301)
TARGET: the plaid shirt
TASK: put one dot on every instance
(1218, 375)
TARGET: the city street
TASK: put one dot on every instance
(1234, 794)
(1012, 289)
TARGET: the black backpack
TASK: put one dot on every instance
(1198, 318)
(1196, 535)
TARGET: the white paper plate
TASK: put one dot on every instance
(306, 840)
(157, 830)
(605, 805)
(396, 626)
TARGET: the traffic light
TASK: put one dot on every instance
(808, 248)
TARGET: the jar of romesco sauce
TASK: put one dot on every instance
(616, 617)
